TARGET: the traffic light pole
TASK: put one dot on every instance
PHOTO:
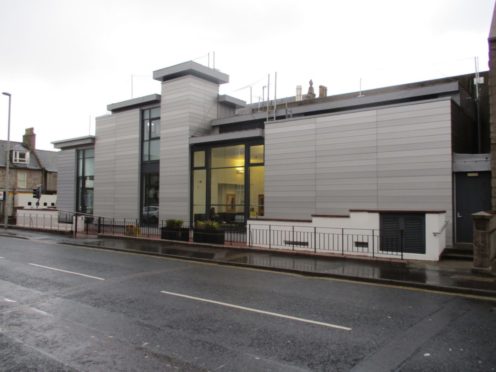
(7, 170)
(37, 195)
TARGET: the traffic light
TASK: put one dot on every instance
(37, 192)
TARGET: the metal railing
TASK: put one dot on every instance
(343, 241)
(127, 227)
(340, 241)
(233, 234)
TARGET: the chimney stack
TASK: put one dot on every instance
(322, 91)
(299, 95)
(29, 139)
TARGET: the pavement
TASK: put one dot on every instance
(447, 275)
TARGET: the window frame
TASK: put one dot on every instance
(17, 159)
(81, 175)
(148, 134)
(148, 166)
(207, 148)
(24, 185)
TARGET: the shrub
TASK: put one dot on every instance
(174, 224)
(207, 225)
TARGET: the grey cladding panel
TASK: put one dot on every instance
(290, 151)
(387, 158)
(66, 182)
(117, 157)
(189, 105)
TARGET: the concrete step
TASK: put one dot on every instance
(466, 254)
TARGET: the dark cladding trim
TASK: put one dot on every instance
(397, 211)
(191, 68)
(241, 135)
(331, 215)
(130, 103)
(278, 220)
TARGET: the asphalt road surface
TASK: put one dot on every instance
(72, 308)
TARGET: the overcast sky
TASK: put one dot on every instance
(64, 61)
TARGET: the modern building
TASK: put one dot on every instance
(28, 168)
(191, 153)
(76, 165)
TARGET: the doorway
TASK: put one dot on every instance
(473, 194)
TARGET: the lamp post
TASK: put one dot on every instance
(7, 168)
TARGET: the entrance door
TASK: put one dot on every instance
(473, 194)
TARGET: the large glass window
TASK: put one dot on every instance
(228, 191)
(257, 154)
(151, 134)
(257, 196)
(200, 193)
(150, 179)
(150, 189)
(85, 180)
(228, 183)
(199, 159)
(228, 156)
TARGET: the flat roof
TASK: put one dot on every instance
(74, 142)
(191, 68)
(133, 102)
(231, 101)
(348, 102)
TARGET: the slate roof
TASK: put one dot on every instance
(47, 158)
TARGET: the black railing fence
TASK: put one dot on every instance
(342, 241)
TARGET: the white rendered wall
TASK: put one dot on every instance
(343, 235)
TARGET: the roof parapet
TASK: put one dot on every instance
(191, 68)
(74, 142)
(139, 101)
(231, 101)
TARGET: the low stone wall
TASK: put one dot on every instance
(46, 219)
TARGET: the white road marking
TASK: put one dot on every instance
(8, 300)
(67, 272)
(39, 311)
(330, 325)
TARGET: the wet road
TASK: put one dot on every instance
(71, 308)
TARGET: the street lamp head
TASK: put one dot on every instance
(6, 94)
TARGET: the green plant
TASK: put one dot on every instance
(174, 224)
(207, 225)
